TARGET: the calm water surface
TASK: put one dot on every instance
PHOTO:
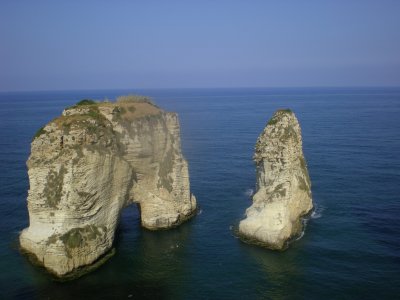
(351, 249)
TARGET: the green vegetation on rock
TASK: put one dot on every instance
(285, 110)
(135, 99)
(52, 239)
(304, 169)
(275, 117)
(82, 120)
(302, 183)
(77, 237)
(273, 121)
(279, 189)
(81, 236)
(95, 113)
(39, 132)
(53, 188)
(66, 128)
(85, 102)
(165, 170)
(288, 133)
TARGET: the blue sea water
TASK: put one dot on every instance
(351, 247)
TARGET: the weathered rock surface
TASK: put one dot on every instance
(283, 194)
(88, 164)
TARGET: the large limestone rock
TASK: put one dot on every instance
(87, 165)
(283, 194)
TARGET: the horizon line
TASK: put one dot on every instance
(201, 88)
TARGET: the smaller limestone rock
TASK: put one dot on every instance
(283, 193)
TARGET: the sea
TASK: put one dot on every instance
(351, 245)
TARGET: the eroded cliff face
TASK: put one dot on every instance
(87, 165)
(283, 192)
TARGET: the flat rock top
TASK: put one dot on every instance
(130, 110)
(91, 122)
(126, 107)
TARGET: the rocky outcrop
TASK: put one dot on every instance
(88, 164)
(283, 194)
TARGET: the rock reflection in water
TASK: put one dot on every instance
(282, 271)
(147, 265)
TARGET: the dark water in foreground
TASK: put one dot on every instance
(351, 249)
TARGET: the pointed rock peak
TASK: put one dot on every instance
(281, 131)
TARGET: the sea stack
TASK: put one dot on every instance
(88, 164)
(283, 190)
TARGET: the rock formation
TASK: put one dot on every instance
(88, 164)
(283, 194)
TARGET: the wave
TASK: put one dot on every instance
(175, 246)
(317, 213)
(301, 234)
(249, 192)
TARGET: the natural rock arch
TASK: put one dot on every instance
(88, 164)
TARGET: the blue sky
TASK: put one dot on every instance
(61, 45)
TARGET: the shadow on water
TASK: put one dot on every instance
(280, 270)
(112, 290)
(147, 265)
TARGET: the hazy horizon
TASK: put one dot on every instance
(55, 45)
(132, 89)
